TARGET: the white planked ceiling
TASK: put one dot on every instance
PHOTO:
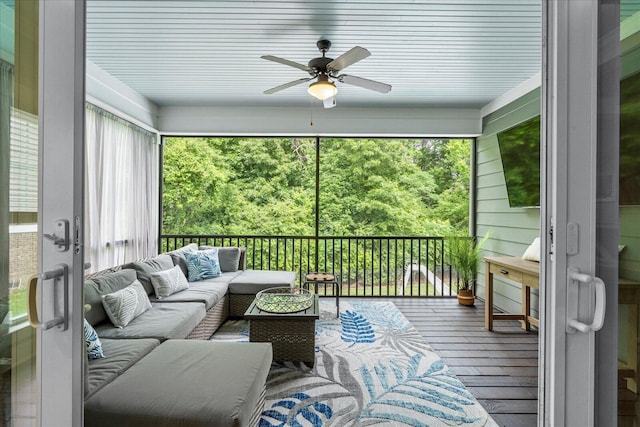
(447, 53)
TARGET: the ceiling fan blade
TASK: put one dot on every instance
(365, 83)
(350, 57)
(329, 102)
(287, 85)
(287, 62)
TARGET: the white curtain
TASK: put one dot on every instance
(121, 190)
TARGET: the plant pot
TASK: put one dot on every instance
(465, 297)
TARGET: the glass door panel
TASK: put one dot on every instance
(18, 207)
(629, 214)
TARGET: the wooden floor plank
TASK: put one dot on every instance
(524, 406)
(516, 420)
(484, 346)
(500, 367)
(498, 381)
(505, 393)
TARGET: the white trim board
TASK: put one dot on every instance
(336, 121)
(109, 93)
(508, 97)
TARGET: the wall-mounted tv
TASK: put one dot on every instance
(630, 140)
(520, 153)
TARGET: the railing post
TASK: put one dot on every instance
(317, 226)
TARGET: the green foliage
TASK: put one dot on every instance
(266, 186)
(465, 255)
(447, 161)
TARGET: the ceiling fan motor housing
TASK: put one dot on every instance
(320, 64)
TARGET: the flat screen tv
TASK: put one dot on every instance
(520, 154)
(630, 140)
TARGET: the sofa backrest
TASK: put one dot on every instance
(178, 257)
(146, 267)
(102, 284)
(231, 258)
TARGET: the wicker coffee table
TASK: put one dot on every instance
(292, 335)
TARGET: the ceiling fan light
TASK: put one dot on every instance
(322, 90)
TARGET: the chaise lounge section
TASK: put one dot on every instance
(186, 383)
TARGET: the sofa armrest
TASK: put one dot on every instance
(242, 263)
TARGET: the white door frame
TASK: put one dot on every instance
(61, 111)
(570, 157)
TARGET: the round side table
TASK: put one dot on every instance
(317, 278)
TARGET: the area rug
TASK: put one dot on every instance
(372, 368)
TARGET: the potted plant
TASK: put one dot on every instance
(464, 256)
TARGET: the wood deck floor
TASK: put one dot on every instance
(499, 368)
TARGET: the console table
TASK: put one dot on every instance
(518, 270)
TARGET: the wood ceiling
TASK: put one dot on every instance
(451, 53)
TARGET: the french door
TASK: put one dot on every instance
(580, 213)
(41, 169)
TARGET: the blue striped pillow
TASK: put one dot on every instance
(92, 342)
(203, 264)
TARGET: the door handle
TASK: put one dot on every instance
(575, 279)
(58, 273)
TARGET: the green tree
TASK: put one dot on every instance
(267, 186)
(447, 161)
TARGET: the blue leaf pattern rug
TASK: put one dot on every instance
(372, 368)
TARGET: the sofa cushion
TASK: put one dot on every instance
(126, 304)
(122, 354)
(145, 268)
(92, 343)
(225, 277)
(178, 256)
(250, 282)
(168, 282)
(228, 256)
(100, 285)
(207, 291)
(203, 264)
(217, 384)
(162, 322)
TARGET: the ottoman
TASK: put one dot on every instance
(186, 383)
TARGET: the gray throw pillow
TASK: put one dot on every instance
(146, 267)
(229, 257)
(169, 282)
(126, 304)
(103, 284)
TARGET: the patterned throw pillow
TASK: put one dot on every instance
(92, 342)
(169, 282)
(126, 304)
(203, 264)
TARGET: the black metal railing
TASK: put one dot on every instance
(368, 266)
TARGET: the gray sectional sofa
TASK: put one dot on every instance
(160, 369)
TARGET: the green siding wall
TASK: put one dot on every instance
(512, 229)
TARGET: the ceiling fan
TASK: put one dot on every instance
(327, 71)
